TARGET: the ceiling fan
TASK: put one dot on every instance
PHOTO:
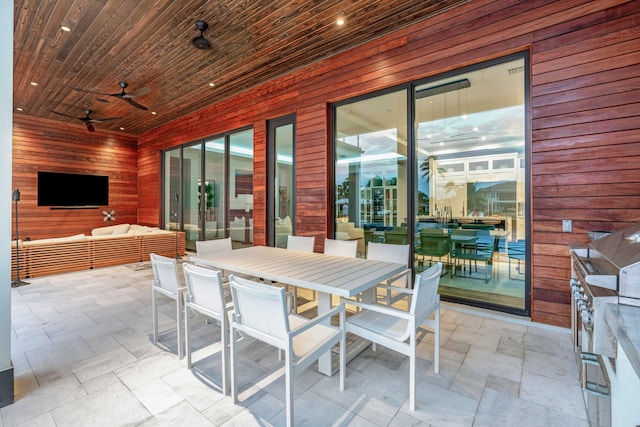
(88, 120)
(128, 97)
(201, 42)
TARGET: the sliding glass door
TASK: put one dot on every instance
(471, 180)
(441, 164)
(208, 189)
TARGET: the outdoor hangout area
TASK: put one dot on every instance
(111, 349)
(320, 213)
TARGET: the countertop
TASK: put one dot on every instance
(624, 321)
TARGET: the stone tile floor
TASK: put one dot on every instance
(83, 355)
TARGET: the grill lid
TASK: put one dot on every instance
(622, 247)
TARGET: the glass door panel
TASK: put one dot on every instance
(171, 208)
(470, 191)
(371, 170)
(240, 212)
(191, 193)
(214, 185)
(281, 218)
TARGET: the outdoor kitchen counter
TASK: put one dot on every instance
(624, 321)
(624, 378)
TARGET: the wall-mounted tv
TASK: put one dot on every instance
(58, 189)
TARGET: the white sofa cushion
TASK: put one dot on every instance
(74, 238)
(111, 230)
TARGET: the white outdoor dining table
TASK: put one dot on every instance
(327, 275)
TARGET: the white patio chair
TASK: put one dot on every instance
(346, 248)
(301, 243)
(392, 253)
(210, 247)
(166, 281)
(397, 329)
(205, 296)
(261, 312)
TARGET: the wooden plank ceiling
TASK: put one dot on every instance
(148, 43)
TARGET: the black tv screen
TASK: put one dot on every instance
(72, 189)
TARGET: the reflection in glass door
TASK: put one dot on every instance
(470, 192)
(213, 188)
(281, 197)
(211, 196)
(191, 195)
(441, 164)
(371, 203)
(241, 188)
(171, 195)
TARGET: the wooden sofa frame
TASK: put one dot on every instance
(44, 258)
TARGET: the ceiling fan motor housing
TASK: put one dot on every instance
(201, 42)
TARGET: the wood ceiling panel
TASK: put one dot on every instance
(148, 43)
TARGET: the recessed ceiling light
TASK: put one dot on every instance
(33, 84)
(19, 109)
(65, 28)
(212, 84)
(154, 113)
(121, 128)
(340, 21)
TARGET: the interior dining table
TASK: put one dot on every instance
(326, 274)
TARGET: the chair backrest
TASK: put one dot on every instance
(204, 288)
(465, 232)
(436, 232)
(207, 247)
(301, 243)
(397, 236)
(165, 272)
(433, 242)
(346, 248)
(485, 242)
(260, 309)
(517, 249)
(386, 252)
(425, 290)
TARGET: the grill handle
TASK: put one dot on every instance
(591, 387)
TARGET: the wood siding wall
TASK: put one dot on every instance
(47, 145)
(585, 109)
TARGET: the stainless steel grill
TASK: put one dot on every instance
(617, 260)
(605, 271)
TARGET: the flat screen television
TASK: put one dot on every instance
(58, 189)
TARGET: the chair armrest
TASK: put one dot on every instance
(396, 289)
(313, 322)
(398, 276)
(384, 309)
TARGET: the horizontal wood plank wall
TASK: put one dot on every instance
(584, 118)
(586, 144)
(46, 145)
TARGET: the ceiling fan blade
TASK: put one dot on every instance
(135, 104)
(88, 91)
(106, 119)
(65, 115)
(138, 92)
